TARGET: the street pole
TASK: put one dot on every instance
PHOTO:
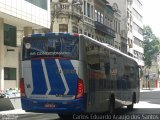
(148, 80)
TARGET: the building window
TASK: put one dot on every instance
(9, 73)
(102, 18)
(95, 16)
(88, 10)
(10, 35)
(63, 27)
(138, 42)
(89, 35)
(80, 31)
(137, 28)
(64, 1)
(119, 28)
(92, 12)
(99, 17)
(137, 15)
(116, 26)
(75, 29)
(84, 7)
(40, 3)
(138, 3)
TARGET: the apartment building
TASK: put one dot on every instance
(132, 26)
(120, 41)
(66, 16)
(103, 17)
(75, 16)
(137, 15)
(97, 19)
(88, 18)
(18, 15)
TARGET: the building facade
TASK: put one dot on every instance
(97, 19)
(132, 27)
(116, 22)
(137, 16)
(74, 16)
(152, 74)
(88, 18)
(103, 17)
(66, 16)
(18, 15)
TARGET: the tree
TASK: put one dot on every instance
(151, 46)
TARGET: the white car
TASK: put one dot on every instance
(12, 93)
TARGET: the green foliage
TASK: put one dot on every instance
(151, 46)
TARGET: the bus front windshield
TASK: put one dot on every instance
(39, 47)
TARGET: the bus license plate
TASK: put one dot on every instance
(48, 105)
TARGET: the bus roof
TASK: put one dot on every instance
(52, 34)
(108, 46)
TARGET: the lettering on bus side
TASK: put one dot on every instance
(65, 71)
(63, 95)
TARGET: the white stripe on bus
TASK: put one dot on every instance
(62, 76)
(75, 64)
(27, 72)
(46, 76)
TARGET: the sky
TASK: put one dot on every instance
(151, 15)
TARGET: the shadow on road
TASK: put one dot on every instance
(5, 104)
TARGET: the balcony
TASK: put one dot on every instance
(101, 27)
(88, 20)
(67, 8)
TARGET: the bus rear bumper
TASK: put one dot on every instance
(54, 106)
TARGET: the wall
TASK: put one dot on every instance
(21, 14)
(11, 60)
(25, 11)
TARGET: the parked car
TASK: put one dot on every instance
(12, 93)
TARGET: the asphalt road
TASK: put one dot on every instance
(147, 109)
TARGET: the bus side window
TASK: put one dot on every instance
(95, 66)
(107, 68)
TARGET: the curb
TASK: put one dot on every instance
(148, 90)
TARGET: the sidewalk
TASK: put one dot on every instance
(16, 111)
(149, 90)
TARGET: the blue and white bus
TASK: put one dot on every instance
(73, 73)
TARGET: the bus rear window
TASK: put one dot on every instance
(39, 47)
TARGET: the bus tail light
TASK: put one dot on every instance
(22, 89)
(80, 88)
(76, 34)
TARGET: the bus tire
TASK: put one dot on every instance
(112, 105)
(130, 107)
